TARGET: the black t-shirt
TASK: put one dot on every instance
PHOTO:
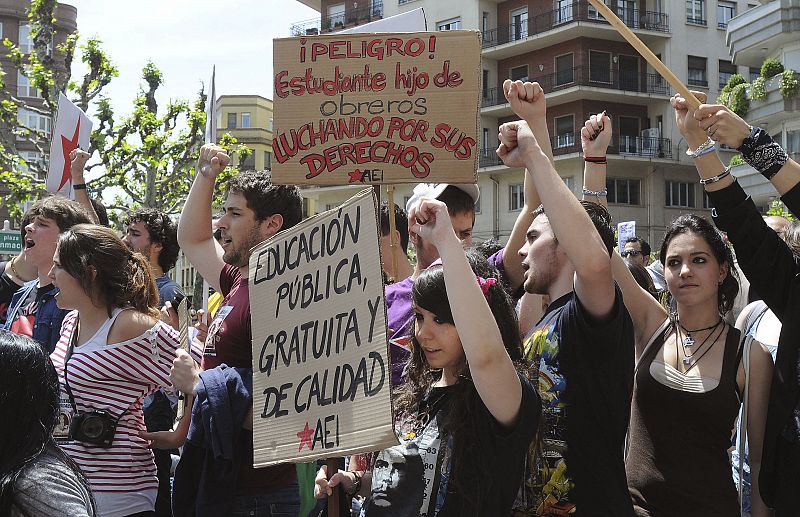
(583, 370)
(414, 478)
(7, 286)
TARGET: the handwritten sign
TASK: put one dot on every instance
(376, 108)
(320, 358)
(625, 230)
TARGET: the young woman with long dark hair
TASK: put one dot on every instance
(36, 477)
(465, 416)
(690, 375)
(113, 352)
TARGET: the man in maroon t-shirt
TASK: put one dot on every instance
(254, 211)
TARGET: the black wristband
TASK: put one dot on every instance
(79, 186)
(762, 153)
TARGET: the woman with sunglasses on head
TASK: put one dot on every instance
(466, 415)
(690, 375)
(112, 353)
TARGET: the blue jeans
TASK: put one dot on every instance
(282, 503)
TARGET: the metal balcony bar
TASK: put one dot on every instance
(575, 12)
(613, 79)
(349, 18)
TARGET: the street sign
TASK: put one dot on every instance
(10, 241)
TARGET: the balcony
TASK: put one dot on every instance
(563, 24)
(621, 145)
(335, 22)
(774, 110)
(607, 84)
(763, 31)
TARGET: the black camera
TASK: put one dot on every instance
(96, 427)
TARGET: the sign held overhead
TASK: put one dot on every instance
(376, 108)
(72, 130)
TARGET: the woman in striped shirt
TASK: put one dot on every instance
(113, 352)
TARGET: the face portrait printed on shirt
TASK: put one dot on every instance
(212, 337)
(397, 480)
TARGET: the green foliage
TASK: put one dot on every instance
(758, 90)
(776, 207)
(770, 68)
(738, 101)
(145, 158)
(789, 85)
(733, 81)
(736, 159)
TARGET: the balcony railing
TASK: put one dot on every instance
(613, 79)
(349, 18)
(575, 12)
(696, 21)
(620, 144)
(489, 158)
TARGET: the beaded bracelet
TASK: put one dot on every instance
(704, 148)
(596, 193)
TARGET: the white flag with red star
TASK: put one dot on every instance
(72, 130)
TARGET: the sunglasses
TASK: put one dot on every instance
(630, 253)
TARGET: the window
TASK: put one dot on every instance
(24, 88)
(594, 14)
(697, 71)
(25, 40)
(231, 120)
(726, 70)
(1, 30)
(754, 72)
(679, 194)
(696, 12)
(563, 11)
(32, 158)
(245, 120)
(622, 191)
(485, 141)
(725, 11)
(519, 73)
(270, 125)
(250, 163)
(707, 201)
(335, 16)
(485, 84)
(267, 160)
(629, 131)
(33, 120)
(485, 22)
(478, 206)
(599, 66)
(519, 24)
(516, 199)
(449, 25)
(792, 143)
(565, 131)
(564, 69)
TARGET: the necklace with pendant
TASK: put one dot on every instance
(688, 342)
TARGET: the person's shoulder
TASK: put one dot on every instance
(130, 324)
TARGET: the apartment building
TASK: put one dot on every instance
(769, 30)
(14, 26)
(249, 119)
(585, 67)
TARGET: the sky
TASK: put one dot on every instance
(184, 39)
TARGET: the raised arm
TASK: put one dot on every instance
(571, 225)
(78, 159)
(528, 101)
(647, 314)
(194, 228)
(491, 368)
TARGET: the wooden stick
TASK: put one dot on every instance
(646, 53)
(392, 228)
(333, 499)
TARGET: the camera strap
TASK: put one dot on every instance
(67, 357)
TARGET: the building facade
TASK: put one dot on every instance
(249, 119)
(585, 67)
(14, 26)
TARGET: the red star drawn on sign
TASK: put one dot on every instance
(356, 175)
(67, 146)
(305, 437)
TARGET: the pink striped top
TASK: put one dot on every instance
(115, 378)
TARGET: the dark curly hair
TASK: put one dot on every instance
(601, 219)
(686, 223)
(429, 292)
(162, 230)
(65, 212)
(266, 199)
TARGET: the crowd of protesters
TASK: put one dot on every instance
(550, 376)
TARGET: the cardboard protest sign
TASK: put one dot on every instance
(625, 230)
(72, 130)
(320, 358)
(376, 108)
